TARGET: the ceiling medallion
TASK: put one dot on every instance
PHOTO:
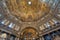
(27, 10)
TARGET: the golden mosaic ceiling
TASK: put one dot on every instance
(27, 10)
(29, 33)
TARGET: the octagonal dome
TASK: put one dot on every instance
(27, 10)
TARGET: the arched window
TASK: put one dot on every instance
(47, 25)
(55, 21)
(11, 25)
(17, 28)
(0, 15)
(46, 1)
(4, 21)
(42, 27)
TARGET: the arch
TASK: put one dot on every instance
(29, 32)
